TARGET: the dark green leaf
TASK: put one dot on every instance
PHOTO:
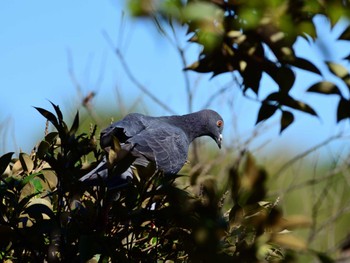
(75, 124)
(283, 76)
(306, 65)
(275, 96)
(4, 161)
(343, 111)
(49, 116)
(347, 57)
(325, 87)
(286, 120)
(51, 137)
(58, 112)
(251, 77)
(324, 258)
(42, 149)
(37, 210)
(346, 34)
(265, 112)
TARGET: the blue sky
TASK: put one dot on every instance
(37, 38)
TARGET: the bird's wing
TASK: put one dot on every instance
(165, 144)
(131, 125)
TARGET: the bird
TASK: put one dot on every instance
(145, 141)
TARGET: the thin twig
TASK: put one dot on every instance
(303, 154)
(330, 220)
(133, 78)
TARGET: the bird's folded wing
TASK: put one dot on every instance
(166, 145)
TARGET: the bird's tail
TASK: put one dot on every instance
(101, 175)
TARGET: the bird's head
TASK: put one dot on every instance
(215, 125)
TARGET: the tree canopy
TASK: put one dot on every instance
(252, 38)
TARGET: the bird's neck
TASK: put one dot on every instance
(193, 125)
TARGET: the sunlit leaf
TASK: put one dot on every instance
(296, 221)
(26, 162)
(340, 71)
(289, 241)
(325, 87)
(50, 177)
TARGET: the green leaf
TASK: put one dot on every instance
(325, 87)
(265, 112)
(286, 120)
(343, 111)
(4, 161)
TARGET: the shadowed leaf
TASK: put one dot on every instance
(306, 65)
(286, 120)
(49, 116)
(343, 111)
(283, 76)
(42, 149)
(75, 124)
(58, 112)
(346, 34)
(265, 112)
(4, 161)
(324, 258)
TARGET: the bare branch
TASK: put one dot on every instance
(133, 78)
(303, 154)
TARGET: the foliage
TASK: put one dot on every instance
(253, 38)
(46, 214)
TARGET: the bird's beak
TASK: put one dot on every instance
(219, 141)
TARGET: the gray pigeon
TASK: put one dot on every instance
(161, 142)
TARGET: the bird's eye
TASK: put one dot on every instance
(219, 123)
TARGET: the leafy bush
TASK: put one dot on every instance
(46, 214)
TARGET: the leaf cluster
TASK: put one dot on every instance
(253, 38)
(46, 214)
